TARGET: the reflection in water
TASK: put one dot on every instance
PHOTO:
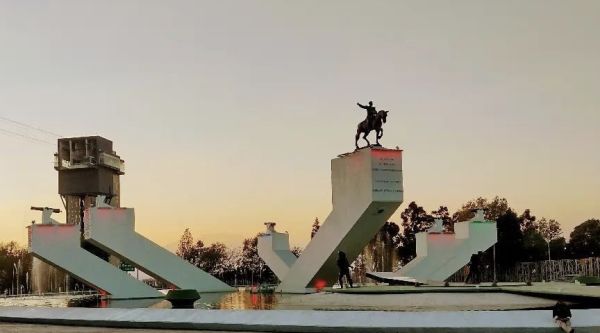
(244, 300)
(238, 300)
(132, 303)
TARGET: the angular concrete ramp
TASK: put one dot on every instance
(440, 254)
(366, 190)
(112, 230)
(60, 246)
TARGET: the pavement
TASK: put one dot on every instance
(552, 290)
(296, 321)
(29, 328)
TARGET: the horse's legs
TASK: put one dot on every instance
(356, 139)
(379, 134)
(365, 137)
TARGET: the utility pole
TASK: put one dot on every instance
(495, 283)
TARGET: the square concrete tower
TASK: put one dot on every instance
(87, 167)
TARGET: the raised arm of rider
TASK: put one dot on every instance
(362, 106)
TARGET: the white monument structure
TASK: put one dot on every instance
(99, 235)
(274, 249)
(59, 244)
(113, 230)
(366, 190)
(440, 254)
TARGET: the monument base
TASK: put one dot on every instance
(366, 190)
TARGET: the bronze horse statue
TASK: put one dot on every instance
(365, 127)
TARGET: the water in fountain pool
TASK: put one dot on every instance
(244, 300)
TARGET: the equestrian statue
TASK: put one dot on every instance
(374, 122)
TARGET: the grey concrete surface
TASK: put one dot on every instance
(303, 320)
(29, 328)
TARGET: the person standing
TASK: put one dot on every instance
(474, 275)
(344, 267)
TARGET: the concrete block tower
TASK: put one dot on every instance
(87, 167)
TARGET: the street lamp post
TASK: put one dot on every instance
(550, 270)
(19, 291)
(495, 283)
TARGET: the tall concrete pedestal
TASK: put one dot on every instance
(366, 190)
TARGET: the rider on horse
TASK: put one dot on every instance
(374, 122)
(371, 113)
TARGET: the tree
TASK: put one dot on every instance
(558, 248)
(527, 221)
(509, 248)
(494, 208)
(253, 267)
(15, 263)
(388, 237)
(537, 236)
(236, 266)
(380, 253)
(315, 227)
(550, 229)
(534, 246)
(444, 214)
(414, 219)
(212, 258)
(186, 248)
(297, 251)
(585, 239)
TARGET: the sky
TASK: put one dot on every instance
(228, 113)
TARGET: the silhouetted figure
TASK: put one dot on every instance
(371, 113)
(344, 267)
(474, 276)
(562, 316)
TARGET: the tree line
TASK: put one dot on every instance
(15, 268)
(237, 266)
(522, 237)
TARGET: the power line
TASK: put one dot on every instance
(30, 138)
(29, 126)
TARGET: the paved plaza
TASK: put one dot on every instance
(27, 328)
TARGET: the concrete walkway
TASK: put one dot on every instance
(552, 290)
(29, 328)
(303, 320)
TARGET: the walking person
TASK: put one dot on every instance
(344, 267)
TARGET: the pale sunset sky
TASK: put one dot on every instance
(227, 113)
